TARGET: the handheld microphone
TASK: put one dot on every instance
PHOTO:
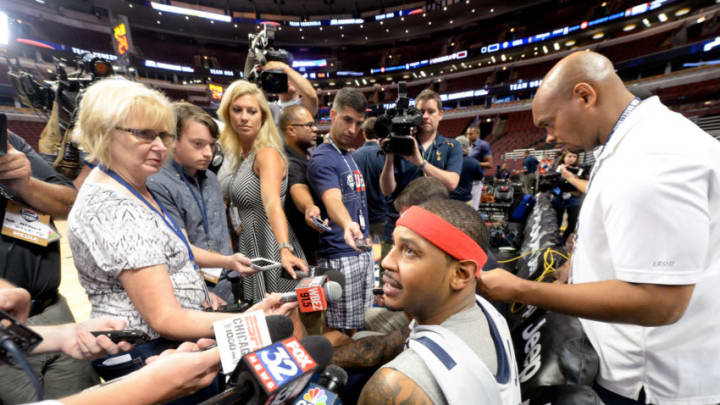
(244, 333)
(327, 389)
(276, 373)
(313, 297)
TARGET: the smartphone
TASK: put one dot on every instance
(24, 338)
(262, 264)
(321, 224)
(233, 308)
(3, 135)
(362, 244)
(133, 336)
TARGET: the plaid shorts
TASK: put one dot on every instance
(349, 311)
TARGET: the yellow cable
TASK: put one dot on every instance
(548, 268)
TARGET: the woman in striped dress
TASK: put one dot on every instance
(254, 178)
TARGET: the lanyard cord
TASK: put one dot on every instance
(164, 215)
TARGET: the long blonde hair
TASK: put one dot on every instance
(268, 135)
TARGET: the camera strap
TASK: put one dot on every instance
(167, 219)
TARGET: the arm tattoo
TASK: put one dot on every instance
(371, 351)
(380, 390)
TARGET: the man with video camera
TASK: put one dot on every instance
(433, 155)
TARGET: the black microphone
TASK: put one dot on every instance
(327, 388)
(336, 276)
(275, 373)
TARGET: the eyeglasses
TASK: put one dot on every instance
(307, 125)
(149, 135)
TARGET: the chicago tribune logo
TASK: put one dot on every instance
(28, 215)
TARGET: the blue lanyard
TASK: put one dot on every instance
(165, 216)
(199, 201)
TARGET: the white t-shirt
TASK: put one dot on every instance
(652, 215)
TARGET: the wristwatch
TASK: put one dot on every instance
(423, 164)
(286, 245)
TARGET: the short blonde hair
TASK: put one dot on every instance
(268, 135)
(110, 103)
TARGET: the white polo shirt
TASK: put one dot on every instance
(652, 215)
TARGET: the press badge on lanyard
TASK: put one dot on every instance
(355, 181)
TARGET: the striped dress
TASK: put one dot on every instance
(256, 238)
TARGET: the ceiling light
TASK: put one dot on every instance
(504, 68)
(362, 25)
(646, 22)
(492, 10)
(662, 17)
(235, 25)
(187, 18)
(493, 59)
(512, 29)
(388, 78)
(341, 27)
(381, 23)
(522, 56)
(212, 22)
(682, 12)
(342, 35)
(303, 37)
(157, 21)
(429, 22)
(473, 10)
(366, 38)
(556, 46)
(451, 21)
(387, 29)
(568, 44)
(545, 49)
(159, 12)
(701, 20)
(629, 27)
(445, 8)
(503, 57)
(390, 56)
(406, 76)
(424, 15)
(604, 3)
(402, 18)
(598, 35)
(332, 83)
(300, 29)
(406, 31)
(320, 28)
(131, 6)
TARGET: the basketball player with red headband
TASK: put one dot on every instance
(459, 350)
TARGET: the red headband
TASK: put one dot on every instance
(444, 235)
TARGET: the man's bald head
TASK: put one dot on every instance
(579, 67)
(579, 100)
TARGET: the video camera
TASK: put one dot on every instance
(400, 124)
(64, 92)
(262, 52)
(553, 180)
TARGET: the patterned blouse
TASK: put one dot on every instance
(110, 232)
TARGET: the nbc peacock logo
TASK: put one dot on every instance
(315, 396)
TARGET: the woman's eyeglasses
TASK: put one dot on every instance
(149, 135)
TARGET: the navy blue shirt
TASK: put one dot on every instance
(371, 162)
(444, 153)
(480, 150)
(471, 171)
(330, 168)
(530, 164)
